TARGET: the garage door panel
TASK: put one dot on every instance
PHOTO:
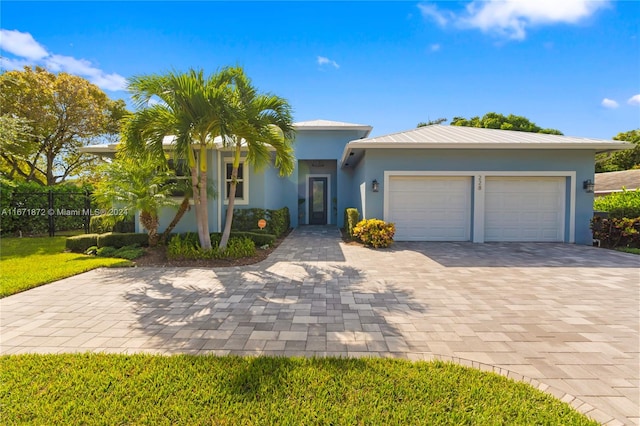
(430, 208)
(524, 208)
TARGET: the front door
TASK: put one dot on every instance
(317, 201)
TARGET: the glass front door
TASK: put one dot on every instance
(317, 201)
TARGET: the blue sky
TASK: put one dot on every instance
(573, 65)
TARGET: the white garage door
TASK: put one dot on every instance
(430, 208)
(524, 208)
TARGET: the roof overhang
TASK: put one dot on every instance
(354, 150)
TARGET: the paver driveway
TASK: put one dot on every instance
(562, 317)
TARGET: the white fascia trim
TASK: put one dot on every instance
(480, 177)
(306, 196)
(516, 145)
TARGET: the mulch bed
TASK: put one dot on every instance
(157, 257)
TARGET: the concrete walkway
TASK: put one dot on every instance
(561, 317)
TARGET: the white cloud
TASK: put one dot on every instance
(326, 61)
(634, 100)
(21, 44)
(30, 52)
(512, 19)
(609, 103)
(435, 47)
(431, 11)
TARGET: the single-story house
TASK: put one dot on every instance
(436, 183)
(609, 182)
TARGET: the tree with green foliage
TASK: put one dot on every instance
(59, 113)
(136, 184)
(492, 120)
(432, 122)
(261, 124)
(621, 160)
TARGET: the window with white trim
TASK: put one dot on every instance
(181, 178)
(242, 188)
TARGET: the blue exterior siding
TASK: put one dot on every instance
(578, 161)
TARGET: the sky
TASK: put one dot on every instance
(571, 65)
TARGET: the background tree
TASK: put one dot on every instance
(492, 120)
(432, 122)
(64, 113)
(136, 184)
(259, 124)
(621, 160)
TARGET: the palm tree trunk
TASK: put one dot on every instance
(197, 202)
(205, 238)
(232, 198)
(150, 223)
(184, 206)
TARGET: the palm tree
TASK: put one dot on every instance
(191, 108)
(260, 123)
(136, 184)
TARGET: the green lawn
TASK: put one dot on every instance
(143, 389)
(29, 262)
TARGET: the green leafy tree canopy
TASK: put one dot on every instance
(621, 160)
(63, 112)
(492, 120)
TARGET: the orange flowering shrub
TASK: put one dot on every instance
(375, 232)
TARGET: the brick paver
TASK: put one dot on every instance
(561, 317)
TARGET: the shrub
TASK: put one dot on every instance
(118, 240)
(351, 218)
(278, 221)
(375, 232)
(181, 248)
(127, 252)
(619, 204)
(109, 223)
(615, 232)
(80, 243)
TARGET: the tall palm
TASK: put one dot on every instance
(191, 108)
(262, 124)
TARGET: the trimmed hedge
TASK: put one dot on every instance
(117, 240)
(278, 221)
(619, 204)
(186, 247)
(259, 238)
(351, 219)
(109, 223)
(80, 243)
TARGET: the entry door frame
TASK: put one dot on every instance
(306, 195)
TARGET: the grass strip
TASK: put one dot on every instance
(183, 389)
(30, 262)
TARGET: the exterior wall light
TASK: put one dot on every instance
(375, 186)
(588, 186)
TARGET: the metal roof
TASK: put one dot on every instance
(458, 137)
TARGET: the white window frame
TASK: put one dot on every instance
(186, 177)
(245, 182)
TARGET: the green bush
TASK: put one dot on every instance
(109, 223)
(351, 219)
(80, 243)
(186, 247)
(127, 252)
(375, 232)
(278, 221)
(617, 232)
(118, 240)
(259, 239)
(619, 204)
